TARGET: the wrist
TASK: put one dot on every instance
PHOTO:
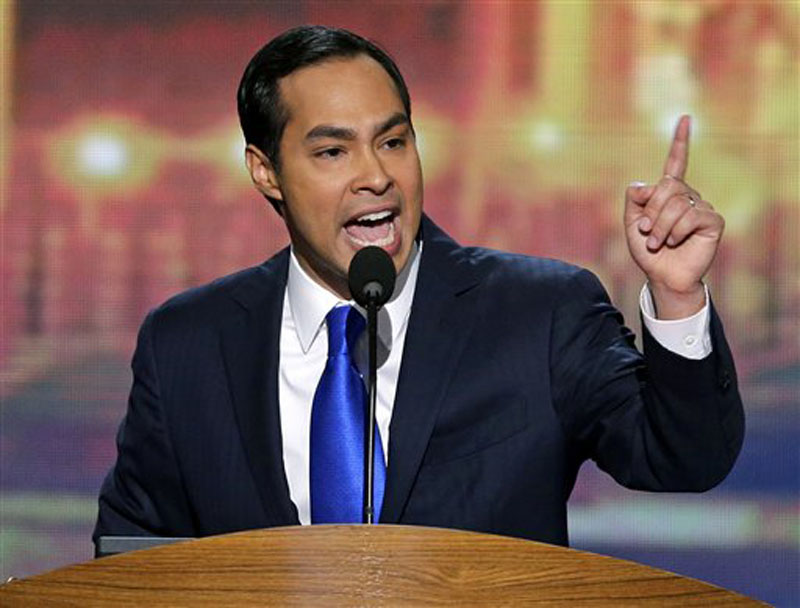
(677, 304)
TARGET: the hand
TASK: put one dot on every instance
(672, 233)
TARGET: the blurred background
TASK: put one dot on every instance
(123, 183)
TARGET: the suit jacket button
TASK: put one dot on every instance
(724, 379)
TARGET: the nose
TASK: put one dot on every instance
(371, 175)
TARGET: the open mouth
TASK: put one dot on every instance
(376, 229)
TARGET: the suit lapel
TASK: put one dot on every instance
(250, 343)
(440, 323)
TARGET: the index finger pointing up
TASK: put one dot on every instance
(678, 157)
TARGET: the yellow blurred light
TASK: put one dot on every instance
(435, 140)
(221, 146)
(546, 136)
(236, 148)
(103, 155)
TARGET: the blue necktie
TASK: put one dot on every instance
(338, 430)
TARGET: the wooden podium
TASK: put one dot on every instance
(362, 566)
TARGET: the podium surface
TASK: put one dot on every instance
(340, 565)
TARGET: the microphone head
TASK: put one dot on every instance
(371, 276)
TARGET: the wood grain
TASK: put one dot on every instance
(365, 566)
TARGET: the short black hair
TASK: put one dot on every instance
(262, 114)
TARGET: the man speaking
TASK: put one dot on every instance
(499, 374)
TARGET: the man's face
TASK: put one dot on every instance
(349, 171)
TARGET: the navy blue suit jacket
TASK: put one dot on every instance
(515, 371)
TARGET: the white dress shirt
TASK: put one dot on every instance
(304, 351)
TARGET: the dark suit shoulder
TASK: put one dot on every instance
(511, 277)
(523, 265)
(540, 275)
(208, 304)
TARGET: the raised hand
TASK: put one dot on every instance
(672, 233)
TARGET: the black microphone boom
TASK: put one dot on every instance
(371, 279)
(371, 276)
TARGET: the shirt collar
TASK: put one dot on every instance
(309, 302)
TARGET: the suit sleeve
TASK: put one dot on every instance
(655, 422)
(142, 494)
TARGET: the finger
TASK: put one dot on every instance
(671, 213)
(701, 217)
(639, 192)
(668, 181)
(699, 203)
(678, 157)
(667, 189)
(636, 197)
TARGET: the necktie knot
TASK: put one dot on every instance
(345, 326)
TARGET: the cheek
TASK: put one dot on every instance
(315, 204)
(324, 188)
(412, 177)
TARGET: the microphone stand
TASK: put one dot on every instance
(369, 464)
(371, 278)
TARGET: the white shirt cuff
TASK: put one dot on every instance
(689, 337)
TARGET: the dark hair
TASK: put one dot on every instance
(262, 114)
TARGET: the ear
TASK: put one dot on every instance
(263, 173)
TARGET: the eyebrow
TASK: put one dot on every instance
(346, 133)
(398, 118)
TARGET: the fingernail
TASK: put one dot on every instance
(637, 184)
(671, 241)
(652, 242)
(644, 224)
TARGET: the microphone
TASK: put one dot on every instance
(371, 278)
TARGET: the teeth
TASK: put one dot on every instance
(387, 240)
(374, 217)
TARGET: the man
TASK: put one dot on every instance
(500, 374)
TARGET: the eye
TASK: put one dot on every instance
(329, 153)
(394, 143)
